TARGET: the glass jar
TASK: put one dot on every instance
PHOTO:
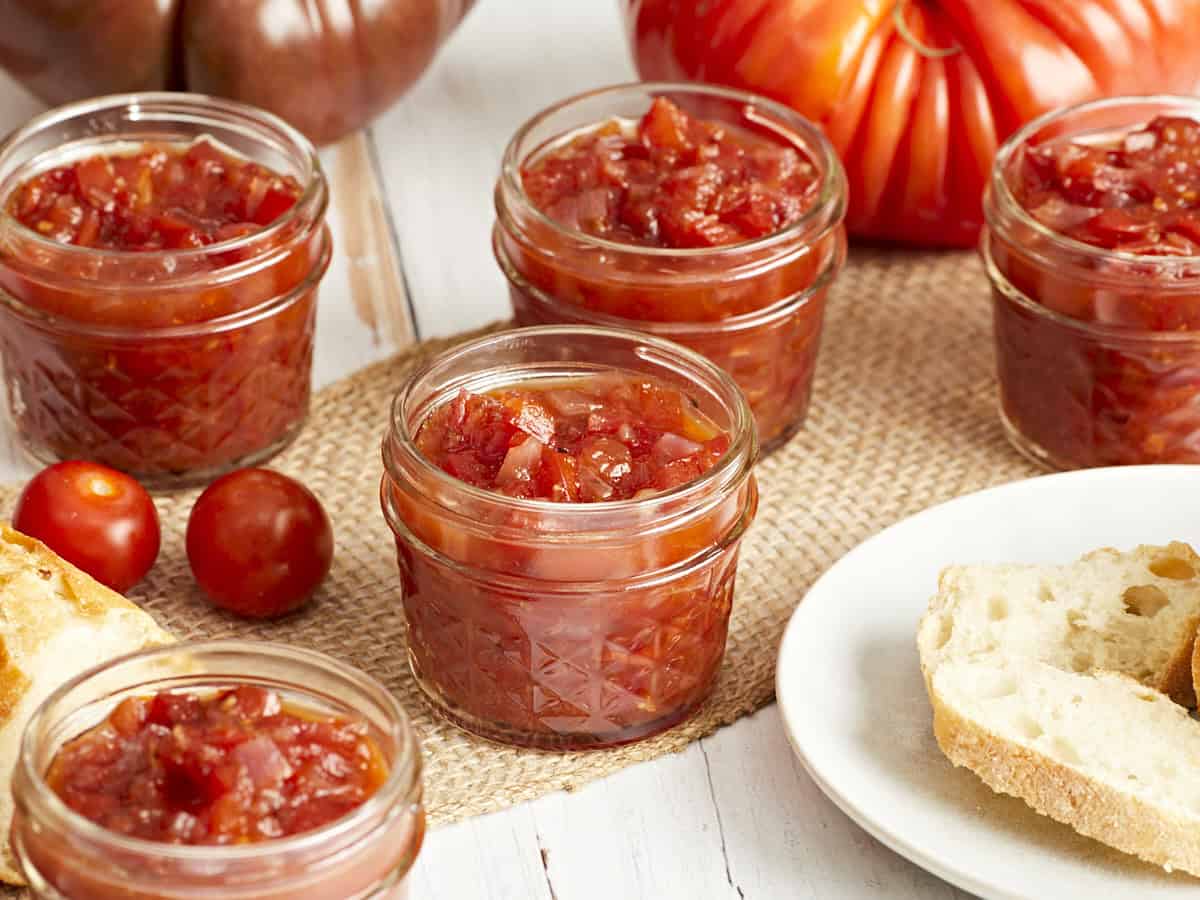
(776, 284)
(566, 625)
(172, 365)
(365, 854)
(1098, 350)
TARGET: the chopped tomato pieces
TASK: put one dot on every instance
(588, 439)
(1137, 194)
(235, 766)
(672, 181)
(162, 197)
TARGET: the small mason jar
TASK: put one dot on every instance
(1097, 350)
(555, 624)
(754, 308)
(172, 365)
(365, 854)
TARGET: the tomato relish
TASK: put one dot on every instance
(582, 440)
(672, 180)
(235, 766)
(714, 220)
(1093, 226)
(1138, 193)
(159, 197)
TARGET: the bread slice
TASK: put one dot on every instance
(55, 622)
(1108, 756)
(1135, 613)
(1039, 676)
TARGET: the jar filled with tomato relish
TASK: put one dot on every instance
(1092, 247)
(698, 214)
(219, 769)
(568, 503)
(159, 262)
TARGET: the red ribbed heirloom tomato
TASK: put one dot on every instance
(917, 94)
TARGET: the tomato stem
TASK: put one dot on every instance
(920, 46)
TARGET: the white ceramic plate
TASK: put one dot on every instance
(854, 705)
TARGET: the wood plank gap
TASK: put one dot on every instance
(712, 794)
(375, 269)
(389, 218)
(544, 855)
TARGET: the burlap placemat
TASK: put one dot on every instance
(904, 416)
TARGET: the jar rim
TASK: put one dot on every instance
(151, 105)
(1001, 282)
(674, 330)
(228, 322)
(1000, 189)
(403, 780)
(737, 461)
(829, 208)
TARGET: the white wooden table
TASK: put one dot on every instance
(735, 815)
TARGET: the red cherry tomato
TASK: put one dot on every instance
(97, 518)
(259, 543)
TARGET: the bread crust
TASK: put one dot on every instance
(1057, 791)
(41, 595)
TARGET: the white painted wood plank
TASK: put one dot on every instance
(649, 831)
(440, 147)
(783, 837)
(489, 856)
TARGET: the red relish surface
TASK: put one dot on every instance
(1139, 193)
(233, 767)
(672, 181)
(162, 197)
(578, 440)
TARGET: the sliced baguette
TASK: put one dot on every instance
(1038, 675)
(1135, 613)
(55, 622)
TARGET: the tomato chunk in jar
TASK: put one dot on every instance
(584, 441)
(157, 296)
(161, 197)
(672, 181)
(713, 219)
(1094, 252)
(568, 546)
(232, 767)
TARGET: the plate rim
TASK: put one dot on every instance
(906, 848)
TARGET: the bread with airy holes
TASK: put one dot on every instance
(55, 622)
(1038, 675)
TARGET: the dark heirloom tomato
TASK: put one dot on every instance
(232, 767)
(96, 518)
(327, 66)
(915, 94)
(259, 543)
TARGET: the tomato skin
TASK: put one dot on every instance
(96, 518)
(259, 543)
(903, 86)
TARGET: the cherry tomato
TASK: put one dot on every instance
(259, 543)
(97, 518)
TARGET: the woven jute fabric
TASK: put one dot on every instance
(904, 416)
